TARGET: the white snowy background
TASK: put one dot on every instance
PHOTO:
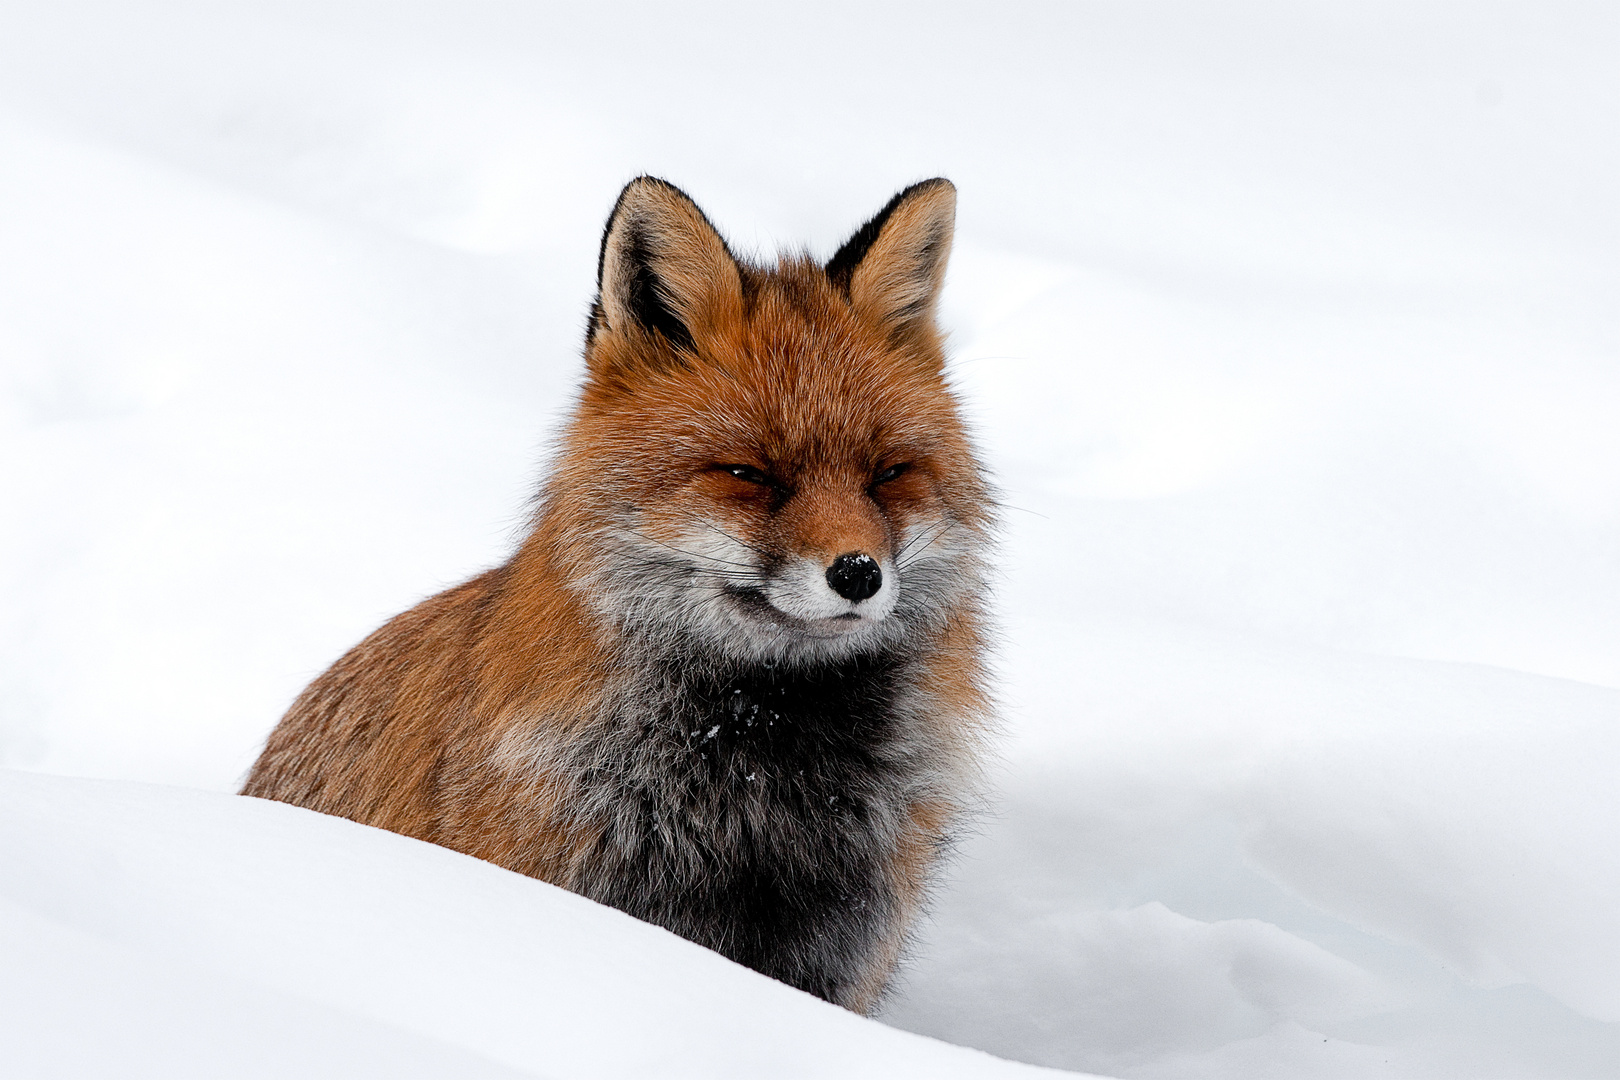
(1290, 332)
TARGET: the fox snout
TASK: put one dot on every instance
(837, 563)
(852, 587)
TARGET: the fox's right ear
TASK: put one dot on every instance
(892, 268)
(664, 272)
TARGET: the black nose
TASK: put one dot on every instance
(855, 576)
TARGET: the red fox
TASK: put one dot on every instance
(732, 681)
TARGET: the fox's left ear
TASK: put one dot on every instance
(664, 272)
(894, 265)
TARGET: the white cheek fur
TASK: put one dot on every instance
(708, 584)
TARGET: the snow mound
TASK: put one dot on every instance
(160, 932)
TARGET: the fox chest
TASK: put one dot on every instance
(759, 814)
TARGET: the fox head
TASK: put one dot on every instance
(766, 463)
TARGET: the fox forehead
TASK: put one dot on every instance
(805, 428)
(790, 389)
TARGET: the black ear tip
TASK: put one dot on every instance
(937, 185)
(651, 185)
(636, 191)
(648, 180)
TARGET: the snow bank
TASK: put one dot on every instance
(1220, 856)
(1291, 338)
(188, 933)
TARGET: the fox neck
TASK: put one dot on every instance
(730, 795)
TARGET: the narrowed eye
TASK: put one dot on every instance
(747, 474)
(893, 472)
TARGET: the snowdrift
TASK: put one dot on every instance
(160, 932)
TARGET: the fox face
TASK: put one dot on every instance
(770, 461)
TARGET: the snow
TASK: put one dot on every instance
(1238, 841)
(199, 934)
(1289, 334)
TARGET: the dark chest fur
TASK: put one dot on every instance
(757, 813)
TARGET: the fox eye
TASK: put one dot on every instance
(747, 474)
(893, 472)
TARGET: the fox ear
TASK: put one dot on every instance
(893, 266)
(663, 270)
